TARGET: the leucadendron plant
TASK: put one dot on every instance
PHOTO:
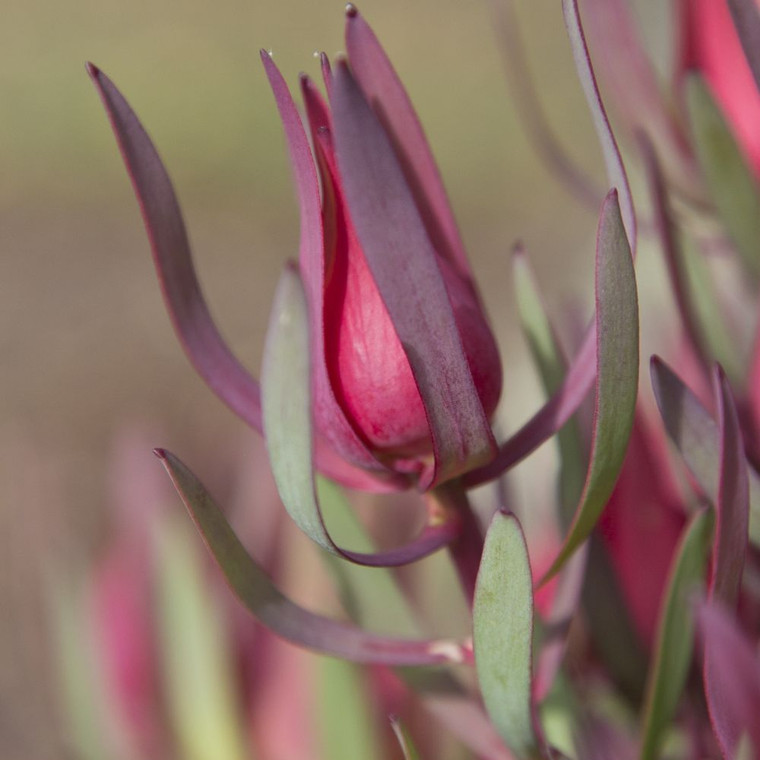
(634, 633)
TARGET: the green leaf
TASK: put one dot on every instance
(286, 401)
(345, 724)
(730, 180)
(204, 704)
(272, 608)
(503, 633)
(407, 745)
(675, 636)
(617, 328)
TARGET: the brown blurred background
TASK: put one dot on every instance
(85, 343)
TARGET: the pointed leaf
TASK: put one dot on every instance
(406, 270)
(503, 633)
(617, 329)
(615, 170)
(273, 609)
(286, 392)
(731, 677)
(380, 84)
(732, 185)
(197, 332)
(695, 434)
(404, 740)
(675, 637)
(732, 506)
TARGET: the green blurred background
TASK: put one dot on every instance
(86, 344)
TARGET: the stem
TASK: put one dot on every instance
(467, 549)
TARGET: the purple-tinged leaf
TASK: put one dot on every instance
(675, 636)
(632, 85)
(732, 506)
(696, 435)
(383, 90)
(161, 214)
(339, 432)
(746, 16)
(503, 634)
(286, 397)
(405, 268)
(617, 361)
(272, 608)
(731, 678)
(404, 740)
(536, 125)
(615, 170)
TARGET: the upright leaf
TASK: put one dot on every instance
(503, 633)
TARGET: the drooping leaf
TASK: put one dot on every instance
(616, 175)
(405, 268)
(732, 185)
(503, 633)
(273, 609)
(204, 704)
(695, 434)
(675, 637)
(617, 330)
(404, 740)
(731, 677)
(286, 397)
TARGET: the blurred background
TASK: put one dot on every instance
(87, 350)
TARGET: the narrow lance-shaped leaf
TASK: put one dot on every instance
(732, 185)
(617, 330)
(503, 633)
(675, 637)
(406, 270)
(197, 332)
(273, 609)
(286, 393)
(695, 434)
(613, 161)
(732, 506)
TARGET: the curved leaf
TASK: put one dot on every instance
(675, 637)
(161, 214)
(617, 329)
(404, 740)
(503, 633)
(273, 609)
(615, 170)
(286, 395)
(405, 268)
